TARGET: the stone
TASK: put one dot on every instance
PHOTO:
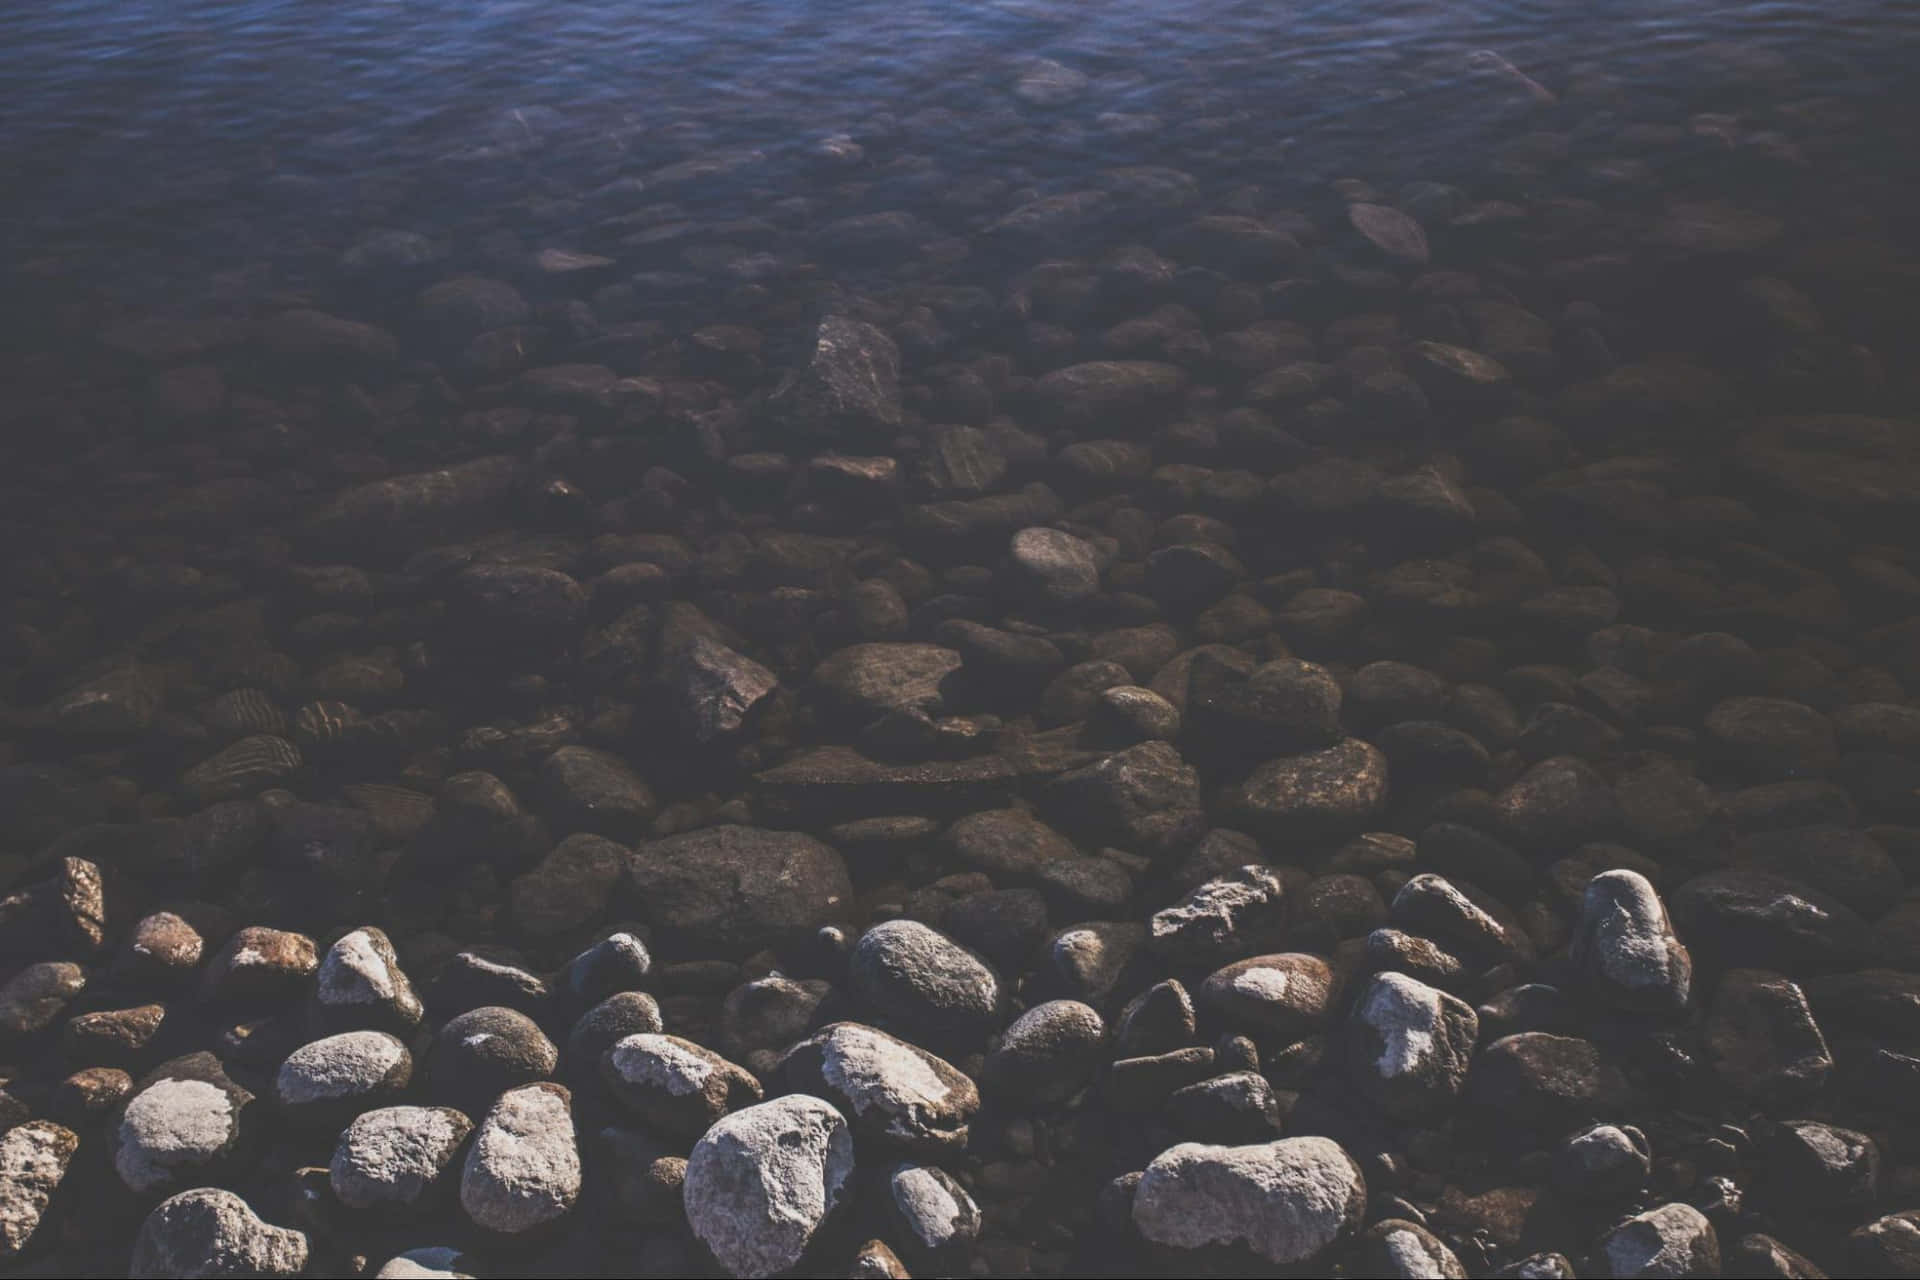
(1053, 568)
(1145, 798)
(1626, 948)
(763, 1181)
(1672, 1240)
(1537, 1083)
(1321, 795)
(185, 1121)
(732, 890)
(360, 985)
(675, 1085)
(1737, 918)
(593, 791)
(716, 691)
(932, 1211)
(34, 997)
(1822, 1169)
(430, 1262)
(1411, 1046)
(1226, 916)
(1773, 737)
(1560, 802)
(209, 1232)
(925, 982)
(1159, 1019)
(396, 1159)
(523, 1170)
(892, 1093)
(1280, 707)
(619, 962)
(1392, 232)
(622, 1014)
(1399, 1248)
(1109, 392)
(1290, 993)
(1232, 1108)
(1289, 1202)
(1459, 915)
(328, 1079)
(1047, 1054)
(33, 1163)
(1602, 1163)
(1887, 1246)
(260, 965)
(568, 890)
(848, 391)
(483, 1052)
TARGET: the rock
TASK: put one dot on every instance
(431, 1262)
(1537, 1083)
(1557, 803)
(1047, 1055)
(1390, 231)
(1604, 1163)
(1053, 568)
(1145, 798)
(395, 1159)
(770, 1014)
(623, 1014)
(409, 510)
(675, 1085)
(1412, 1045)
(1673, 1240)
(863, 682)
(1888, 1246)
(1225, 1108)
(731, 890)
(761, 1183)
(523, 1170)
(1822, 1169)
(1459, 915)
(1458, 377)
(1289, 994)
(162, 950)
(34, 997)
(185, 1121)
(714, 690)
(331, 1078)
(260, 965)
(1322, 795)
(619, 962)
(1227, 916)
(1126, 714)
(1109, 392)
(875, 1261)
(596, 792)
(1396, 1247)
(934, 1213)
(848, 391)
(247, 766)
(570, 887)
(1773, 737)
(1757, 1254)
(483, 1052)
(457, 311)
(1841, 861)
(891, 1092)
(1737, 917)
(1281, 707)
(360, 984)
(823, 785)
(1626, 947)
(1290, 1201)
(926, 983)
(1157, 1020)
(320, 342)
(209, 1232)
(33, 1162)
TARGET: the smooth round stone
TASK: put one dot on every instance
(1054, 567)
(183, 1121)
(1048, 1054)
(342, 1072)
(925, 981)
(486, 1051)
(1289, 1201)
(1320, 795)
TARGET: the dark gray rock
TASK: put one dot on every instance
(1320, 795)
(1411, 1046)
(1145, 798)
(1626, 947)
(483, 1052)
(730, 890)
(848, 391)
(925, 983)
(1291, 993)
(1762, 1040)
(1047, 1054)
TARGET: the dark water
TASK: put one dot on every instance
(397, 394)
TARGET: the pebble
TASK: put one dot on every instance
(183, 1122)
(523, 1170)
(1412, 1045)
(342, 1074)
(893, 1092)
(1626, 947)
(1672, 1240)
(675, 1085)
(763, 1182)
(925, 982)
(482, 1053)
(34, 1158)
(396, 1158)
(1289, 1201)
(1047, 1054)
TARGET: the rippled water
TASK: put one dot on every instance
(223, 222)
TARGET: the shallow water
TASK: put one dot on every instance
(433, 431)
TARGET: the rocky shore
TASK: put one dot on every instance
(1140, 723)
